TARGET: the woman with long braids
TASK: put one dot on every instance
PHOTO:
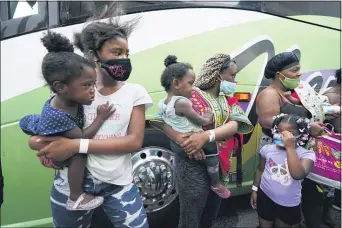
(199, 205)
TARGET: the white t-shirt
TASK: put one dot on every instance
(114, 168)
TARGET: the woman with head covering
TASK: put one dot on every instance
(198, 204)
(284, 71)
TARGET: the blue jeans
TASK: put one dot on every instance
(122, 204)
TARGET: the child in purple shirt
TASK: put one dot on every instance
(282, 167)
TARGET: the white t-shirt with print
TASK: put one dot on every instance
(115, 168)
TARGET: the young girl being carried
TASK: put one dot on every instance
(176, 110)
(72, 79)
(282, 167)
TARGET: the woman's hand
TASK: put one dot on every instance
(317, 129)
(289, 140)
(254, 199)
(195, 142)
(59, 148)
(198, 155)
(330, 117)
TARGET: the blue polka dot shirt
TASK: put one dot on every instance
(51, 121)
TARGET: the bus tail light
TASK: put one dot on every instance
(243, 97)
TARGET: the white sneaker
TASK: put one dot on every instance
(78, 206)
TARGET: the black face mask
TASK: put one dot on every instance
(118, 69)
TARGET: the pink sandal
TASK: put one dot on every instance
(77, 206)
(226, 194)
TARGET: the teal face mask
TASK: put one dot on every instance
(278, 140)
(227, 87)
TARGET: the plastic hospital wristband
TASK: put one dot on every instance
(84, 143)
(254, 188)
(211, 135)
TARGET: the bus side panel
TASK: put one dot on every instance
(27, 183)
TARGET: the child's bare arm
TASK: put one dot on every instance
(298, 168)
(184, 108)
(257, 179)
(259, 171)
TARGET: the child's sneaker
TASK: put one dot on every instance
(221, 191)
(78, 206)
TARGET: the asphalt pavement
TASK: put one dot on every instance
(236, 212)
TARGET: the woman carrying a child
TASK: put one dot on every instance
(198, 204)
(284, 71)
(108, 174)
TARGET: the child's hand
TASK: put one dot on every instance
(104, 111)
(208, 115)
(288, 139)
(287, 94)
(254, 199)
(335, 114)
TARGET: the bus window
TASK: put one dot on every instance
(19, 9)
(72, 12)
(21, 17)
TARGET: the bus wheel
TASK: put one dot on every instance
(153, 174)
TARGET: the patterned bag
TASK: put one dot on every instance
(327, 168)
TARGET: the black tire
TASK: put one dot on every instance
(166, 217)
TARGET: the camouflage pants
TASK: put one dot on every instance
(122, 204)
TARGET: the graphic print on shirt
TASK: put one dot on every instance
(280, 172)
(112, 127)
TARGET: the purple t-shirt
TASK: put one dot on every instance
(276, 181)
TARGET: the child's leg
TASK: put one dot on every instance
(213, 168)
(265, 224)
(212, 163)
(266, 210)
(288, 217)
(76, 175)
(177, 149)
(78, 199)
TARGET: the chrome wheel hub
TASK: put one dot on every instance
(153, 174)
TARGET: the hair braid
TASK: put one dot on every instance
(210, 71)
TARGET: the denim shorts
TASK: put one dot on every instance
(122, 204)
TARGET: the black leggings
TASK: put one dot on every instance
(337, 198)
(199, 205)
(312, 203)
(212, 162)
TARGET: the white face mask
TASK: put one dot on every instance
(227, 87)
